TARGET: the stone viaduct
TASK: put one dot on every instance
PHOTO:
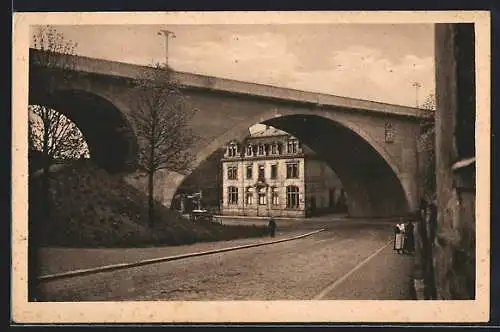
(377, 171)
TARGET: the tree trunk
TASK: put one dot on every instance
(151, 202)
(34, 232)
(33, 261)
(46, 163)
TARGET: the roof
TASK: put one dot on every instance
(269, 131)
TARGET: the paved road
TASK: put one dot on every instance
(327, 265)
(60, 260)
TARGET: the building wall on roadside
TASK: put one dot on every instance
(322, 185)
(454, 242)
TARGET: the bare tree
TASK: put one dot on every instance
(54, 136)
(51, 134)
(161, 120)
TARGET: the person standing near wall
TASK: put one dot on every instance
(409, 239)
(399, 237)
(395, 229)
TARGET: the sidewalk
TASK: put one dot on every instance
(388, 276)
(59, 260)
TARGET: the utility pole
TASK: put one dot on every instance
(416, 85)
(167, 34)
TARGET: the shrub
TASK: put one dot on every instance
(91, 208)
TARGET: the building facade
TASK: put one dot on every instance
(453, 235)
(272, 174)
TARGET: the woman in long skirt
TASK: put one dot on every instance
(395, 229)
(399, 238)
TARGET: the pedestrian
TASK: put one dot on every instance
(395, 229)
(272, 227)
(409, 238)
(399, 237)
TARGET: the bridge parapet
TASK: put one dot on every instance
(197, 81)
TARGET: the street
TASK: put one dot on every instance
(343, 262)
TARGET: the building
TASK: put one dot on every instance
(445, 260)
(205, 180)
(271, 173)
(453, 239)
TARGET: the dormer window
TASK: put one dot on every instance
(261, 150)
(232, 150)
(292, 146)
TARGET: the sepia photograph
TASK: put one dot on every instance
(227, 167)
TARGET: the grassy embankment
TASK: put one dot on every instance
(91, 208)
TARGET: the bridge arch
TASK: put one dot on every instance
(107, 131)
(370, 176)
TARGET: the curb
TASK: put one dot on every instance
(351, 220)
(278, 218)
(114, 267)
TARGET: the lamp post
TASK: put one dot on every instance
(416, 85)
(167, 34)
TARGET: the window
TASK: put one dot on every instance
(249, 196)
(262, 196)
(292, 170)
(249, 172)
(261, 150)
(273, 148)
(231, 150)
(232, 172)
(249, 150)
(292, 197)
(232, 195)
(274, 196)
(261, 172)
(274, 171)
(292, 147)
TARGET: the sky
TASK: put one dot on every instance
(377, 62)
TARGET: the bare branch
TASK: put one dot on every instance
(51, 133)
(161, 118)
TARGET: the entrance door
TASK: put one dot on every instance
(262, 206)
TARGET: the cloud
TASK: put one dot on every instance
(356, 72)
(260, 58)
(360, 72)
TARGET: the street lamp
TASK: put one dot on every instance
(167, 34)
(416, 85)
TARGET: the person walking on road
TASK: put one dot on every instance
(272, 227)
